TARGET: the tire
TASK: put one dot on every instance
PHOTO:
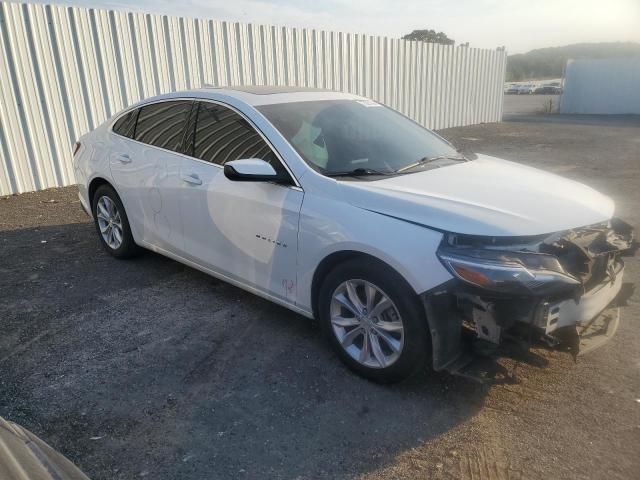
(121, 244)
(338, 321)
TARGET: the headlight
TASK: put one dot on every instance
(507, 272)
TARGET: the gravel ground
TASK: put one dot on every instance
(147, 368)
(519, 104)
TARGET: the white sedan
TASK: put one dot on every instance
(342, 209)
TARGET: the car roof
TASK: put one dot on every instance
(262, 94)
(270, 89)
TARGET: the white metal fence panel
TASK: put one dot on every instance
(607, 86)
(65, 70)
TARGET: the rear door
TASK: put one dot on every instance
(147, 173)
(247, 231)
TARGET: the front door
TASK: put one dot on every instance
(247, 231)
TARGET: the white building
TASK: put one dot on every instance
(608, 86)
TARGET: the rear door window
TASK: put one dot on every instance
(162, 124)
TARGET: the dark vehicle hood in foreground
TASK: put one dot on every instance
(23, 456)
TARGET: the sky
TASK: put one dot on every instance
(517, 24)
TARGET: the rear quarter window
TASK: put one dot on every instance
(126, 124)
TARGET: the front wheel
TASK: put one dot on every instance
(374, 321)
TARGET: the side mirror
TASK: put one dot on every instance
(252, 170)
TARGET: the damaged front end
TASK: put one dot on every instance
(557, 288)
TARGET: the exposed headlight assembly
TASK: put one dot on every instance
(501, 271)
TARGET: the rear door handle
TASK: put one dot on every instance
(123, 158)
(192, 178)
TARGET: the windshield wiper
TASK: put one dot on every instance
(358, 172)
(425, 160)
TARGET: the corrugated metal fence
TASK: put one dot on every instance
(64, 70)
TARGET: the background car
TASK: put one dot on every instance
(511, 89)
(548, 90)
(526, 89)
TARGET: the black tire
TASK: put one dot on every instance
(417, 344)
(128, 247)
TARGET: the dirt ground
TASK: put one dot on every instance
(147, 368)
(521, 104)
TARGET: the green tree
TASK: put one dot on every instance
(429, 36)
(550, 62)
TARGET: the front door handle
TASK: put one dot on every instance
(123, 158)
(192, 178)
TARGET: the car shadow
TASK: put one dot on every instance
(148, 367)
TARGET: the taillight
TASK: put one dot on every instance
(76, 147)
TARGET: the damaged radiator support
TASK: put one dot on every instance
(591, 253)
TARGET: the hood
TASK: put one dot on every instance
(487, 196)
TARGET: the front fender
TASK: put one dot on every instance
(328, 226)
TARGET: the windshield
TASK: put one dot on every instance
(342, 136)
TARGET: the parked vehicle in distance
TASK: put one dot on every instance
(512, 89)
(548, 90)
(342, 209)
(526, 89)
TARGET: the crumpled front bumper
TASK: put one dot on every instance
(580, 320)
(579, 324)
(595, 318)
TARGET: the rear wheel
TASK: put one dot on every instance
(374, 320)
(112, 223)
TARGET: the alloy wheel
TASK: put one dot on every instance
(109, 222)
(367, 323)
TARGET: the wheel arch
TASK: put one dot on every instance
(93, 186)
(332, 260)
(96, 183)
